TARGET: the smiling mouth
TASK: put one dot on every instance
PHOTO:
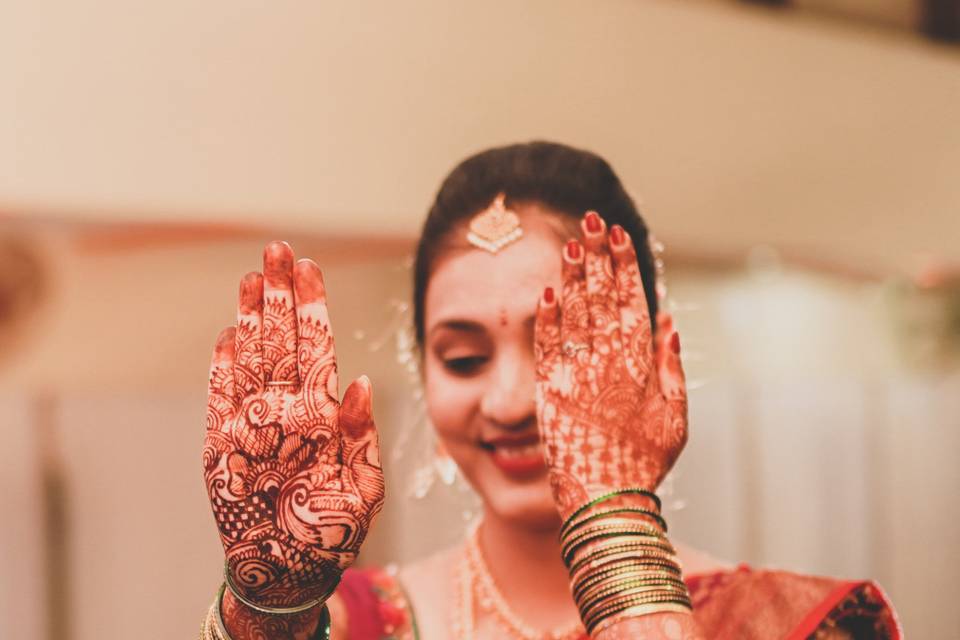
(517, 458)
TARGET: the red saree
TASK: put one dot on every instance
(741, 604)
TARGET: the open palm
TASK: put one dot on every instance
(293, 475)
(611, 397)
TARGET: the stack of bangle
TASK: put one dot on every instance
(620, 561)
(214, 629)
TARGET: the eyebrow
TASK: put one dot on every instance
(471, 326)
(456, 324)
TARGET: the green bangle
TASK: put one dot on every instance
(608, 496)
(323, 627)
(573, 526)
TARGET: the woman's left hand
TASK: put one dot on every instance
(611, 397)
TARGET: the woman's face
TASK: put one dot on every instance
(479, 365)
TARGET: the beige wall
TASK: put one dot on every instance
(736, 125)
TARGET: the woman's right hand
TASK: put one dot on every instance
(293, 475)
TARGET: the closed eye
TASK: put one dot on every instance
(464, 366)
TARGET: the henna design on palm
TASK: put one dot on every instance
(611, 398)
(293, 475)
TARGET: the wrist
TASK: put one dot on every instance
(620, 561)
(243, 621)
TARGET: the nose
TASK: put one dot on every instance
(510, 398)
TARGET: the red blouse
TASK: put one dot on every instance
(740, 604)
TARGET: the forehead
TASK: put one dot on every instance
(473, 284)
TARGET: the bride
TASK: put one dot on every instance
(556, 386)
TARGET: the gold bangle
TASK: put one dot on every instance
(653, 568)
(275, 611)
(626, 588)
(595, 563)
(611, 495)
(639, 610)
(618, 606)
(580, 590)
(605, 550)
(624, 585)
(639, 554)
(647, 513)
(221, 628)
(604, 531)
(630, 600)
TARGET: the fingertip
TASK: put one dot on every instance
(592, 224)
(251, 292)
(573, 252)
(621, 245)
(675, 343)
(356, 411)
(277, 262)
(226, 341)
(308, 281)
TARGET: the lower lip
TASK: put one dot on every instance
(518, 466)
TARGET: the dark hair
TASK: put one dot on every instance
(568, 180)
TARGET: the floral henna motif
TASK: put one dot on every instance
(293, 476)
(611, 406)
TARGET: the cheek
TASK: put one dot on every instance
(451, 401)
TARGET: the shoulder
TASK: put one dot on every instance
(748, 603)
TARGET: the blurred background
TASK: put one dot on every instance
(799, 161)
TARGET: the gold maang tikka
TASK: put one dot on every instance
(495, 227)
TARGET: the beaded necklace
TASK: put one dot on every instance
(478, 595)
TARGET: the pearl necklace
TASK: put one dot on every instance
(477, 594)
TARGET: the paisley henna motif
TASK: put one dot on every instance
(293, 476)
(611, 403)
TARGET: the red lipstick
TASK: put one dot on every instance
(518, 456)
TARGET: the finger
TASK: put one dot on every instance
(546, 337)
(661, 338)
(361, 446)
(673, 384)
(248, 366)
(279, 315)
(574, 310)
(220, 386)
(634, 315)
(601, 287)
(316, 356)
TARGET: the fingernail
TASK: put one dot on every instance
(593, 222)
(573, 250)
(617, 235)
(548, 295)
(675, 342)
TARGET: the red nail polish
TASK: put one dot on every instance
(617, 235)
(573, 250)
(675, 342)
(593, 222)
(548, 295)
